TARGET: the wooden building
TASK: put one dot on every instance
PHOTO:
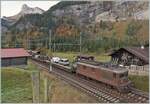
(13, 57)
(130, 56)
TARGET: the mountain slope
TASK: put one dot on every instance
(26, 10)
(95, 20)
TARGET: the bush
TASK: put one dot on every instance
(132, 28)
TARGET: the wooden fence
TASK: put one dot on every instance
(35, 76)
(138, 70)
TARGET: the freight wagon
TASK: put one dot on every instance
(62, 67)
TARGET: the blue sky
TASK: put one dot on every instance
(10, 8)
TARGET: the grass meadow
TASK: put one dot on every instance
(17, 87)
(16, 84)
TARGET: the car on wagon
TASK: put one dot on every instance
(55, 59)
(64, 61)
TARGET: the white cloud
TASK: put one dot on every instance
(9, 8)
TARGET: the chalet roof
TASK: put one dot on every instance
(13, 52)
(143, 54)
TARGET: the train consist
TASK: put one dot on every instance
(86, 66)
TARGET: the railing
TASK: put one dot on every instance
(138, 70)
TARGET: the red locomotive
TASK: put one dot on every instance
(115, 77)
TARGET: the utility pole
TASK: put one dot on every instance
(49, 47)
(80, 42)
(27, 41)
(50, 40)
(54, 43)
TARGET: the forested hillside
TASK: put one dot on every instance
(101, 26)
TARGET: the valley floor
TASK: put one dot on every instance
(16, 84)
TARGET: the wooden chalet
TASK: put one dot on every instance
(130, 56)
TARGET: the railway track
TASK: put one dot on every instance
(98, 90)
(91, 91)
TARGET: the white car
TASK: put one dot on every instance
(64, 62)
(55, 59)
(37, 56)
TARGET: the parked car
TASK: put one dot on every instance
(64, 62)
(55, 59)
(37, 56)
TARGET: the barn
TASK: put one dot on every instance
(13, 57)
(130, 56)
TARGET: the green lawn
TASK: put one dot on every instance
(140, 82)
(17, 88)
(71, 56)
(16, 84)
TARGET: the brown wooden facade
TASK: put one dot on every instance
(130, 56)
